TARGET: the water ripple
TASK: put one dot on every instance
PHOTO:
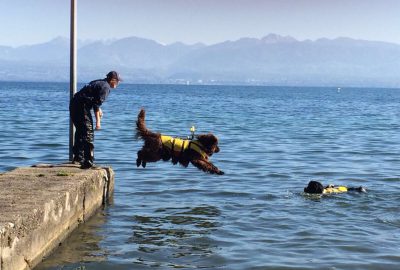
(273, 141)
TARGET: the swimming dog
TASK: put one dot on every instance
(315, 187)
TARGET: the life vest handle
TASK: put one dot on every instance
(192, 130)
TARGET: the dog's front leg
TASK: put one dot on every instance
(206, 166)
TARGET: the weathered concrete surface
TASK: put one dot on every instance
(40, 206)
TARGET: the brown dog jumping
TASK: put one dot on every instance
(157, 146)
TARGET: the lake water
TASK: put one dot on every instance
(273, 141)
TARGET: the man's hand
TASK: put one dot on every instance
(98, 126)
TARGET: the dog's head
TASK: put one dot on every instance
(210, 143)
(314, 187)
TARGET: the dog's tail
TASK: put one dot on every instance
(141, 128)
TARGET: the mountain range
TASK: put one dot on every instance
(271, 60)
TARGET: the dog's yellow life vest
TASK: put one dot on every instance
(333, 189)
(179, 145)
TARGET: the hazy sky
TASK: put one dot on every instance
(207, 21)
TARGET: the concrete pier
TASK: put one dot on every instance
(41, 205)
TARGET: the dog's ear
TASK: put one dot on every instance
(208, 139)
(209, 142)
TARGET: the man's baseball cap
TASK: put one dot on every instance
(113, 75)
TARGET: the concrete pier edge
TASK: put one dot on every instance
(41, 205)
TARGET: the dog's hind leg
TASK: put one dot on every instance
(139, 158)
(140, 161)
(145, 156)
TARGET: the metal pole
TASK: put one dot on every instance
(72, 72)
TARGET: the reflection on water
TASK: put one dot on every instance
(82, 246)
(168, 236)
(175, 233)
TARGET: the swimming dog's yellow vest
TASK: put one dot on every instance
(179, 145)
(333, 189)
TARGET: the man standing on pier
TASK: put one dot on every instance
(90, 96)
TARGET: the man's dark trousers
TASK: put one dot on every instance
(84, 135)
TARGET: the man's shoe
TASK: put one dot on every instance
(77, 161)
(87, 164)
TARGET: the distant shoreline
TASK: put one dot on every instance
(273, 60)
(343, 87)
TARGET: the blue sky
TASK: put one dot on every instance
(207, 21)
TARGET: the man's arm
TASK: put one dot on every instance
(101, 95)
(98, 115)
